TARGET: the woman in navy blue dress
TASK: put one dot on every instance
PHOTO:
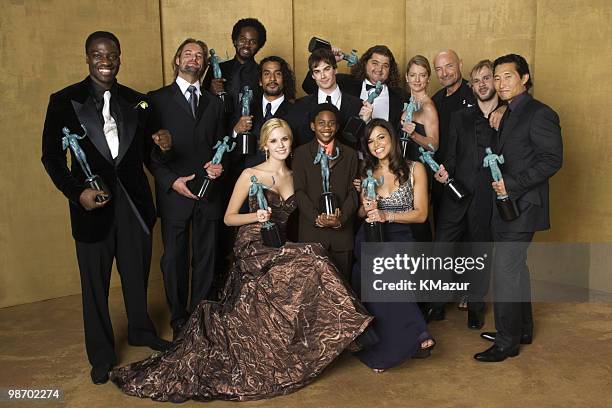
(401, 201)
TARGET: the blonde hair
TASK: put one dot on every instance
(267, 129)
(421, 61)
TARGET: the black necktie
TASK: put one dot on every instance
(328, 99)
(193, 99)
(268, 114)
(368, 87)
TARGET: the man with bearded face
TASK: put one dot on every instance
(248, 37)
(194, 117)
(468, 220)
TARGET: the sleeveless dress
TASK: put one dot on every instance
(284, 315)
(399, 325)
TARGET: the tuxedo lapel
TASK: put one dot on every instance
(508, 123)
(88, 117)
(180, 99)
(129, 121)
(395, 107)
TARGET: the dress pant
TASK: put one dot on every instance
(130, 245)
(176, 259)
(472, 237)
(512, 287)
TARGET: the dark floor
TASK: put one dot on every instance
(569, 364)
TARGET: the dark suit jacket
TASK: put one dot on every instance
(530, 141)
(248, 75)
(299, 116)
(352, 86)
(308, 185)
(74, 106)
(192, 147)
(258, 120)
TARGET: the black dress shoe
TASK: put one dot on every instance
(490, 336)
(495, 353)
(99, 373)
(475, 320)
(434, 314)
(153, 342)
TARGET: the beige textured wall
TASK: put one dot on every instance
(212, 22)
(42, 45)
(567, 42)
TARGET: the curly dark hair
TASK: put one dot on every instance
(359, 69)
(250, 22)
(102, 34)
(522, 67)
(288, 75)
(397, 164)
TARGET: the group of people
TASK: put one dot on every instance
(260, 320)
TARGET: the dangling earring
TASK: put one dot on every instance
(266, 151)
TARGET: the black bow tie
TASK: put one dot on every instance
(368, 87)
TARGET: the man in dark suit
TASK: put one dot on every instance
(322, 64)
(376, 64)
(273, 99)
(248, 37)
(194, 118)
(335, 231)
(120, 227)
(530, 141)
(468, 220)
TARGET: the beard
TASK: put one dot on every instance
(486, 97)
(273, 92)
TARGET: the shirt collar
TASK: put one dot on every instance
(385, 90)
(184, 84)
(275, 103)
(516, 101)
(335, 96)
(329, 148)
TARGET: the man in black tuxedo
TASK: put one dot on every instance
(376, 64)
(248, 37)
(273, 99)
(194, 118)
(119, 228)
(322, 64)
(529, 138)
(468, 220)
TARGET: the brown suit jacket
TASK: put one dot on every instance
(309, 187)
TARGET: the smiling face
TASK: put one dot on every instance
(278, 144)
(325, 126)
(380, 144)
(272, 78)
(483, 85)
(448, 69)
(190, 62)
(377, 68)
(103, 58)
(508, 82)
(417, 78)
(247, 43)
(325, 76)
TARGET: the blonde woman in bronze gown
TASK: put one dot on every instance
(284, 315)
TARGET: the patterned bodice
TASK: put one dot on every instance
(401, 199)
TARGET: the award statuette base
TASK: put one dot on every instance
(404, 144)
(456, 190)
(315, 43)
(201, 187)
(247, 144)
(328, 203)
(374, 232)
(270, 235)
(96, 183)
(507, 208)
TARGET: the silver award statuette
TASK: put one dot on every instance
(201, 186)
(315, 43)
(215, 62)
(455, 188)
(375, 93)
(91, 180)
(405, 140)
(507, 208)
(270, 233)
(247, 141)
(374, 230)
(328, 202)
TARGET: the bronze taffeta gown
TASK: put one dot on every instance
(284, 315)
